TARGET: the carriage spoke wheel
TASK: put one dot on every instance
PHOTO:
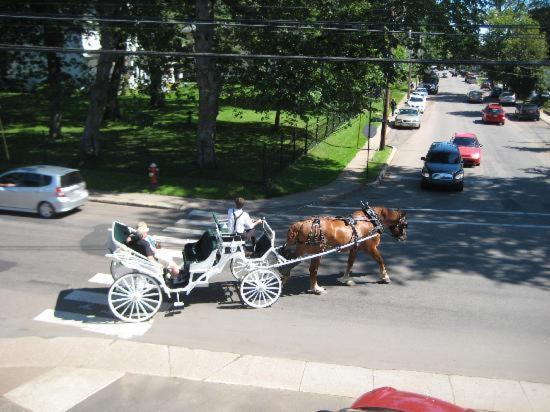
(135, 297)
(239, 266)
(260, 288)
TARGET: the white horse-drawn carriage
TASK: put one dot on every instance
(139, 284)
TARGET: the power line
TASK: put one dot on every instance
(374, 60)
(247, 22)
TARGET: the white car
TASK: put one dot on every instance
(417, 103)
(46, 190)
(408, 117)
(421, 90)
(418, 94)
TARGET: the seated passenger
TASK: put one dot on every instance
(239, 221)
(143, 243)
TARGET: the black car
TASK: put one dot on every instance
(431, 87)
(443, 167)
(527, 111)
(496, 92)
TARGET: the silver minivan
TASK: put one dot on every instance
(46, 190)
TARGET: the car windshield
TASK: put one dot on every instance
(494, 111)
(464, 141)
(443, 157)
(416, 99)
(529, 107)
(506, 94)
(421, 90)
(410, 112)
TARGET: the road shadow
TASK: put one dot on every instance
(466, 113)
(448, 97)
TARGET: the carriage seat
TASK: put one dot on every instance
(119, 234)
(202, 248)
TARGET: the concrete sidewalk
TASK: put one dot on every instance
(68, 370)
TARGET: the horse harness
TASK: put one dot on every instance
(317, 237)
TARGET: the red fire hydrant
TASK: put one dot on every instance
(153, 173)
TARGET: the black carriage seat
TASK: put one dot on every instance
(262, 245)
(202, 248)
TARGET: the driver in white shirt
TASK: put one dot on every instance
(239, 221)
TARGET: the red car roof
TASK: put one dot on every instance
(469, 135)
(391, 398)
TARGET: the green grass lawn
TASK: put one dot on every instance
(166, 137)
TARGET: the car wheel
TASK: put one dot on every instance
(423, 185)
(46, 210)
(460, 187)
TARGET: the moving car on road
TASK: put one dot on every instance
(495, 92)
(486, 85)
(469, 148)
(417, 102)
(408, 117)
(422, 90)
(507, 98)
(527, 111)
(475, 96)
(443, 167)
(46, 190)
(493, 113)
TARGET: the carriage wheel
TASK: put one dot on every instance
(135, 297)
(118, 270)
(239, 266)
(260, 288)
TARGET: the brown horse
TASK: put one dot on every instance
(317, 234)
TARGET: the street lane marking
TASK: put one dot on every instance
(198, 212)
(195, 222)
(61, 388)
(412, 209)
(174, 240)
(101, 278)
(183, 230)
(452, 222)
(96, 324)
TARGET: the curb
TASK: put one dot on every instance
(382, 173)
(91, 198)
(113, 358)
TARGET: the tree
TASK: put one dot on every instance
(515, 43)
(99, 93)
(209, 85)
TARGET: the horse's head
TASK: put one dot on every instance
(398, 228)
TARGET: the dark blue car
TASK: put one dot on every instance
(443, 167)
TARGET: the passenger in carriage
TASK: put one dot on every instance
(145, 244)
(239, 221)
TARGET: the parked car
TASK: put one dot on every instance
(495, 92)
(417, 103)
(486, 85)
(422, 90)
(507, 98)
(431, 87)
(408, 117)
(527, 111)
(469, 148)
(443, 167)
(390, 399)
(493, 113)
(475, 96)
(46, 190)
(418, 94)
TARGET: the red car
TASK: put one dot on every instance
(469, 148)
(390, 399)
(493, 113)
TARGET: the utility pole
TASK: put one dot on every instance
(387, 94)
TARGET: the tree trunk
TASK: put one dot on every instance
(53, 37)
(208, 83)
(156, 95)
(112, 111)
(277, 123)
(89, 144)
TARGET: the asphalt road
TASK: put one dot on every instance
(471, 286)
